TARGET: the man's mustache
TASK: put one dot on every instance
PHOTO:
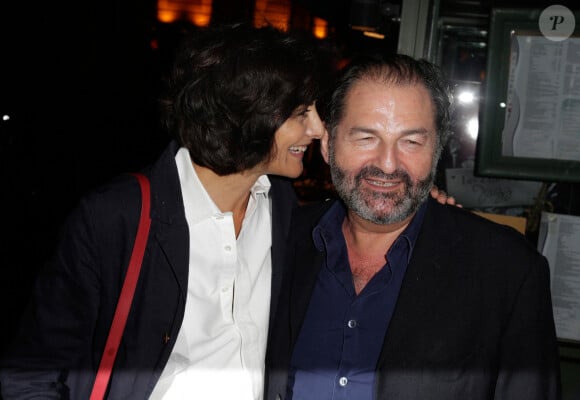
(372, 171)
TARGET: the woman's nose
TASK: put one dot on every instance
(315, 128)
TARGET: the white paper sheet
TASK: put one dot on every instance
(559, 241)
(543, 99)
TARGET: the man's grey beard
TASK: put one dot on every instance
(378, 207)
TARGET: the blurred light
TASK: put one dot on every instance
(5, 117)
(364, 15)
(272, 12)
(466, 97)
(201, 13)
(374, 35)
(472, 127)
(320, 28)
(502, 104)
(363, 28)
(198, 12)
(166, 16)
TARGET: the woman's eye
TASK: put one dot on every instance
(302, 110)
(301, 113)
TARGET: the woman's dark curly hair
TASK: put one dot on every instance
(231, 87)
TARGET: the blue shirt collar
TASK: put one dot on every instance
(330, 225)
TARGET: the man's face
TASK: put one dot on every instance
(382, 156)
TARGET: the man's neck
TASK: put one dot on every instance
(367, 245)
(366, 234)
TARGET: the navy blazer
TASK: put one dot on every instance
(59, 347)
(473, 319)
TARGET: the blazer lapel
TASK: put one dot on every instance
(283, 202)
(174, 242)
(307, 265)
(169, 227)
(425, 281)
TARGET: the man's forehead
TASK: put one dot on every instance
(384, 85)
(367, 90)
(368, 96)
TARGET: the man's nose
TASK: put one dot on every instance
(387, 158)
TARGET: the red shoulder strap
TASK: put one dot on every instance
(127, 292)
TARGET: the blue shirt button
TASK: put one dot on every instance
(352, 323)
(343, 381)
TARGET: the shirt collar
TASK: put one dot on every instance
(411, 232)
(261, 187)
(330, 225)
(197, 201)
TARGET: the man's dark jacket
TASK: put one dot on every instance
(473, 319)
(60, 344)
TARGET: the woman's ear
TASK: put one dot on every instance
(324, 145)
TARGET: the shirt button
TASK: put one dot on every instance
(343, 381)
(227, 247)
(352, 323)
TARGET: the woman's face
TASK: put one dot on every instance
(291, 141)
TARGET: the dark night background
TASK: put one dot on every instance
(78, 82)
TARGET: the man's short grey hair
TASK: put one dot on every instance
(399, 70)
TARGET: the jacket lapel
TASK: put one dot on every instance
(307, 265)
(283, 201)
(169, 227)
(426, 279)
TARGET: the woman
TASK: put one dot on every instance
(240, 103)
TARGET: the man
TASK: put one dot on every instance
(390, 295)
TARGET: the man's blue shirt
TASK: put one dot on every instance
(342, 335)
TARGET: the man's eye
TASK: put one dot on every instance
(414, 142)
(364, 139)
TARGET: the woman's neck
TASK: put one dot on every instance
(228, 192)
